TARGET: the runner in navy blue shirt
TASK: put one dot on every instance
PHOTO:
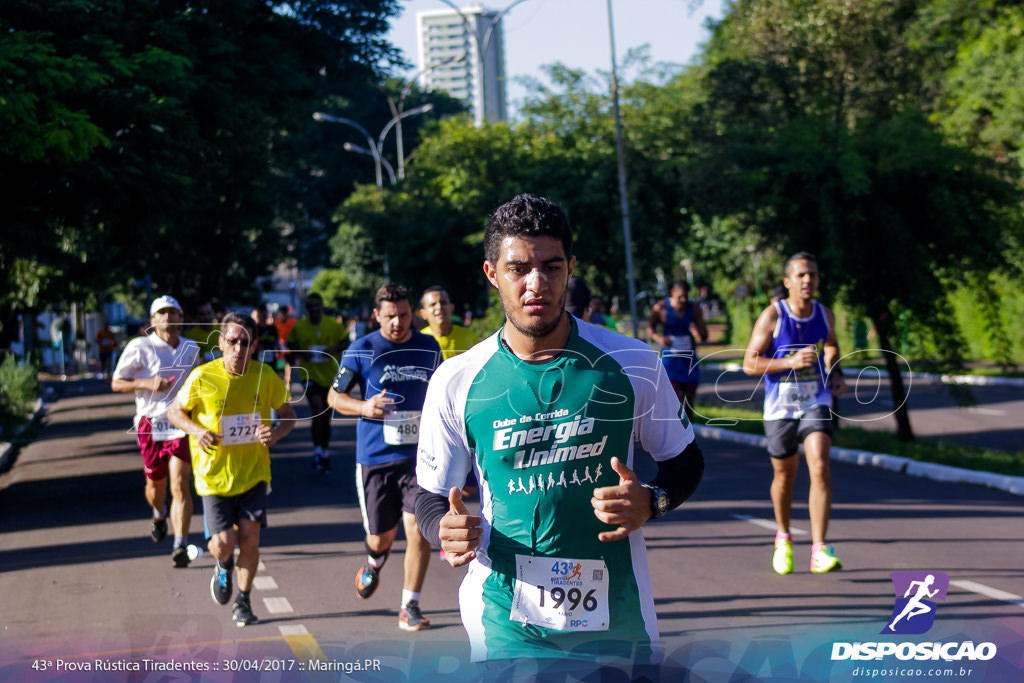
(682, 326)
(391, 366)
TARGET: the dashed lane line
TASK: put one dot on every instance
(769, 525)
(989, 592)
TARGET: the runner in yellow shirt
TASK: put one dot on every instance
(317, 342)
(224, 406)
(436, 308)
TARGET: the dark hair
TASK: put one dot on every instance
(434, 288)
(681, 284)
(526, 215)
(799, 256)
(577, 296)
(391, 292)
(314, 295)
(244, 320)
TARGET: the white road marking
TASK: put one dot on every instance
(987, 411)
(293, 630)
(989, 592)
(769, 525)
(265, 583)
(278, 605)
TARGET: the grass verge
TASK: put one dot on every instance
(925, 450)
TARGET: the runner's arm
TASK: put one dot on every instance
(754, 361)
(654, 321)
(430, 508)
(122, 384)
(679, 477)
(698, 328)
(830, 354)
(182, 420)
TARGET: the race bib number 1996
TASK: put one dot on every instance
(561, 594)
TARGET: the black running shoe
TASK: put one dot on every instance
(159, 529)
(180, 557)
(325, 463)
(242, 613)
(220, 585)
(411, 617)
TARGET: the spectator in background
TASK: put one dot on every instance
(106, 343)
(283, 322)
(266, 334)
(204, 330)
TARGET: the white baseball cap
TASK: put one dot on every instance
(162, 302)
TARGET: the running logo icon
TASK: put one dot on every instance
(914, 611)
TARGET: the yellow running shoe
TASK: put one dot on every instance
(782, 560)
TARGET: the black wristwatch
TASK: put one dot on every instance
(659, 501)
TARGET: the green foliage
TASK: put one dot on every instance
(19, 386)
(989, 308)
(165, 139)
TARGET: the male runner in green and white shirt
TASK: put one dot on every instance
(546, 411)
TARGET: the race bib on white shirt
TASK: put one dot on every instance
(561, 594)
(402, 427)
(238, 429)
(161, 429)
(798, 397)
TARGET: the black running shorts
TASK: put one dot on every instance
(221, 513)
(385, 491)
(785, 436)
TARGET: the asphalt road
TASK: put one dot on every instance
(991, 420)
(81, 583)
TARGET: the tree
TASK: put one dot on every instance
(155, 138)
(813, 132)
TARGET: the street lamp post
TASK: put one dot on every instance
(330, 118)
(397, 109)
(627, 237)
(480, 116)
(375, 148)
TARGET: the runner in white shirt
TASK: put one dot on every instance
(154, 367)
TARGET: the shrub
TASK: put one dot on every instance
(19, 386)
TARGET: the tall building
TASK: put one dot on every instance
(450, 61)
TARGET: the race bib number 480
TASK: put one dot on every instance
(561, 594)
(402, 427)
(236, 429)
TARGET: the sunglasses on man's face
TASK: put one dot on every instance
(236, 341)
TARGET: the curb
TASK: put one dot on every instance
(8, 453)
(892, 463)
(979, 381)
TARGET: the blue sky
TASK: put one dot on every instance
(575, 32)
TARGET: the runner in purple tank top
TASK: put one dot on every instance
(794, 347)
